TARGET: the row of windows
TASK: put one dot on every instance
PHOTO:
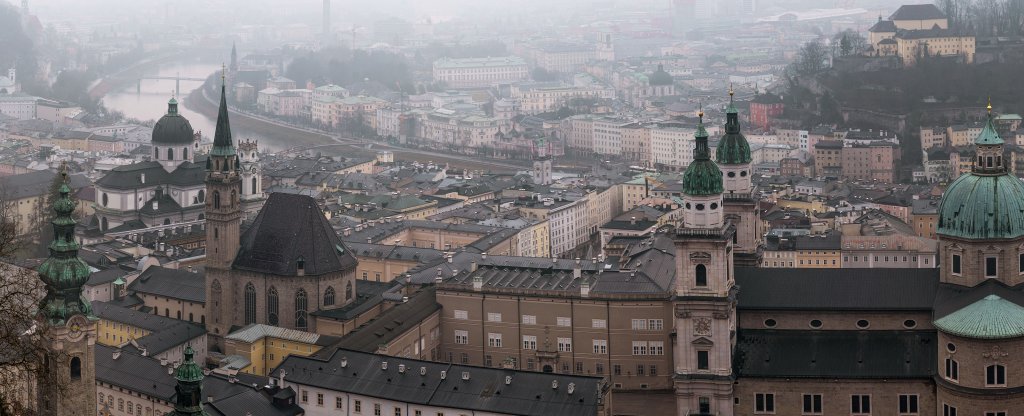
(357, 405)
(995, 374)
(861, 323)
(860, 404)
(991, 265)
(637, 324)
(301, 304)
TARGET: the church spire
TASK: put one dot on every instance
(234, 57)
(63, 272)
(222, 143)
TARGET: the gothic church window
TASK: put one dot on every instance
(250, 304)
(348, 291)
(301, 303)
(272, 306)
(329, 296)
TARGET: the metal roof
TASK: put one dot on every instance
(992, 317)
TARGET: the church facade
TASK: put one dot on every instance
(288, 265)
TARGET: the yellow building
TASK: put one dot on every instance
(807, 205)
(26, 196)
(151, 335)
(916, 31)
(533, 240)
(263, 347)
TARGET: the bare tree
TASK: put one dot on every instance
(24, 347)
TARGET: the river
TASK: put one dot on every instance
(150, 103)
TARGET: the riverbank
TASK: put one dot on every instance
(104, 85)
(296, 137)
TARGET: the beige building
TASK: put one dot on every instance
(920, 30)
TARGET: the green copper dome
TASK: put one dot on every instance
(733, 149)
(990, 318)
(189, 371)
(988, 135)
(702, 177)
(983, 206)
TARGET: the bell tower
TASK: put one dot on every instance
(67, 385)
(188, 397)
(705, 307)
(223, 193)
(733, 156)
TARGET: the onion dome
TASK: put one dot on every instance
(733, 148)
(702, 177)
(660, 77)
(172, 128)
(63, 272)
(189, 371)
(988, 202)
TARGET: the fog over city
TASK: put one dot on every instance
(464, 207)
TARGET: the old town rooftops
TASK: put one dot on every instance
(452, 386)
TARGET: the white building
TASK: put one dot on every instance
(671, 147)
(480, 72)
(20, 106)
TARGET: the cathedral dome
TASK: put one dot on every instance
(660, 77)
(172, 128)
(978, 206)
(988, 202)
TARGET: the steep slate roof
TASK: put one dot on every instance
(917, 12)
(883, 26)
(287, 228)
(528, 393)
(835, 354)
(36, 184)
(384, 328)
(130, 176)
(172, 283)
(839, 289)
(165, 333)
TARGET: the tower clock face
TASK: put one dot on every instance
(76, 325)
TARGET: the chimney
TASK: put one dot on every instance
(632, 220)
(483, 256)
(383, 365)
(344, 362)
(572, 387)
(401, 368)
(142, 178)
(478, 283)
(209, 399)
(465, 375)
(554, 384)
(280, 379)
(117, 354)
(438, 278)
(444, 374)
(156, 205)
(163, 361)
(472, 267)
(585, 289)
(449, 256)
(423, 371)
(508, 380)
(170, 370)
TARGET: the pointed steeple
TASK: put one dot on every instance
(222, 143)
(63, 272)
(189, 391)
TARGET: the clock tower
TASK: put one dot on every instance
(67, 384)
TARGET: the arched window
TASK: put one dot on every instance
(215, 294)
(233, 196)
(202, 195)
(216, 199)
(76, 368)
(167, 221)
(329, 296)
(184, 153)
(106, 199)
(701, 275)
(348, 291)
(250, 304)
(995, 375)
(156, 152)
(990, 161)
(272, 306)
(170, 154)
(254, 186)
(300, 309)
(130, 407)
